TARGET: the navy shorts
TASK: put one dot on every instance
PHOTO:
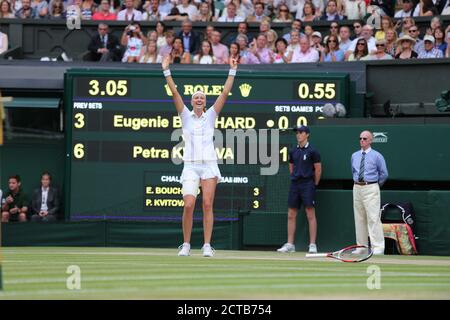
(300, 193)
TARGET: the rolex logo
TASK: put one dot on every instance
(168, 91)
(245, 89)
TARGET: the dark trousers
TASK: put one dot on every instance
(47, 218)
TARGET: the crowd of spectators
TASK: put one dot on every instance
(393, 33)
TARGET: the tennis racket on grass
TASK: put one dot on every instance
(350, 254)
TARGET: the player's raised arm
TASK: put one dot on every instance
(179, 104)
(220, 102)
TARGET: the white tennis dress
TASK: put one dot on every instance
(200, 158)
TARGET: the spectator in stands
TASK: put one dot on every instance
(391, 42)
(354, 9)
(446, 10)
(178, 55)
(306, 52)
(129, 13)
(242, 29)
(244, 8)
(317, 42)
(152, 12)
(344, 36)
(88, 8)
(366, 34)
(425, 8)
(205, 54)
(41, 8)
(151, 53)
(57, 10)
(15, 207)
(220, 51)
(296, 25)
(309, 12)
(258, 15)
(73, 11)
(160, 33)
(152, 36)
(234, 53)
(26, 12)
(246, 56)
(386, 23)
(191, 40)
(231, 15)
(407, 9)
(188, 8)
(3, 44)
(357, 29)
(259, 49)
(360, 51)
(16, 5)
(407, 23)
(414, 33)
(104, 46)
(439, 40)
(205, 13)
(176, 15)
(45, 201)
(332, 53)
(6, 10)
(133, 39)
(165, 6)
(434, 24)
(294, 44)
(264, 26)
(387, 7)
(104, 12)
(272, 37)
(297, 7)
(283, 14)
(429, 51)
(334, 30)
(380, 54)
(406, 48)
(167, 49)
(282, 55)
(207, 35)
(331, 13)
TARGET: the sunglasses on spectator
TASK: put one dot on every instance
(412, 30)
(362, 138)
(283, 10)
(361, 44)
(379, 45)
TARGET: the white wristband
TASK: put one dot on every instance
(232, 72)
(166, 73)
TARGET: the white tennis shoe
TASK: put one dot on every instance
(208, 251)
(185, 250)
(378, 251)
(312, 248)
(287, 247)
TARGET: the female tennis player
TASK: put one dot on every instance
(200, 159)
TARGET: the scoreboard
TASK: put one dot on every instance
(122, 162)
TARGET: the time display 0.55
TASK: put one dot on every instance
(315, 90)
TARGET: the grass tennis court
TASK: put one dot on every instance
(131, 273)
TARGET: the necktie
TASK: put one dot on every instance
(361, 168)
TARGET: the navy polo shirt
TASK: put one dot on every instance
(303, 160)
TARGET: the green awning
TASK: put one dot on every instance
(48, 103)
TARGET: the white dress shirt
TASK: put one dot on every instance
(44, 196)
